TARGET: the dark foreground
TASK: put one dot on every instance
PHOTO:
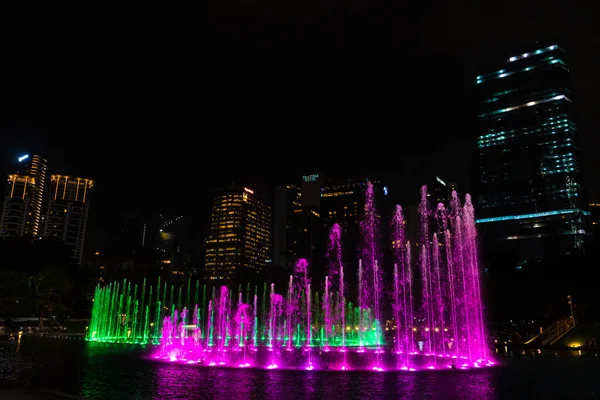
(43, 368)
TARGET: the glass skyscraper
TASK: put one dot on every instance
(528, 181)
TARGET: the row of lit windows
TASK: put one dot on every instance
(529, 104)
(547, 126)
(504, 73)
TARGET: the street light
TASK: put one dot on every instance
(571, 304)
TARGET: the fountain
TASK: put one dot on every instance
(436, 306)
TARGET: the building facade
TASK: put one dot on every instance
(68, 211)
(304, 215)
(528, 187)
(239, 241)
(24, 192)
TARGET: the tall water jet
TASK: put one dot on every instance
(425, 268)
(335, 283)
(222, 320)
(290, 313)
(398, 251)
(470, 237)
(462, 284)
(336, 267)
(361, 306)
(308, 326)
(408, 302)
(272, 318)
(302, 280)
(376, 294)
(327, 313)
(274, 314)
(255, 325)
(370, 257)
(439, 303)
(242, 320)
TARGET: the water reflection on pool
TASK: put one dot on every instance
(108, 371)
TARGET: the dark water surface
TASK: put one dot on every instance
(106, 371)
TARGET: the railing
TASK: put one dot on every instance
(554, 332)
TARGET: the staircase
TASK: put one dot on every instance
(554, 332)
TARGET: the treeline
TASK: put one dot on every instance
(38, 278)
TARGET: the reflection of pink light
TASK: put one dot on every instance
(212, 364)
(360, 350)
(222, 363)
(342, 350)
(431, 367)
(244, 365)
(376, 368)
(412, 369)
(273, 366)
(405, 368)
(344, 368)
(310, 367)
(192, 362)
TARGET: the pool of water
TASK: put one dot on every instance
(109, 371)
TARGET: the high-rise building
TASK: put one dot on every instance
(23, 197)
(239, 241)
(528, 185)
(174, 245)
(304, 215)
(68, 209)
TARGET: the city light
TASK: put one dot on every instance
(23, 157)
(249, 190)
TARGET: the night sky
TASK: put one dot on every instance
(161, 103)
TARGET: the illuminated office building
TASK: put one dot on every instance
(23, 197)
(528, 180)
(343, 202)
(305, 214)
(239, 241)
(68, 209)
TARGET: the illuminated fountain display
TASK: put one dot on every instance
(432, 303)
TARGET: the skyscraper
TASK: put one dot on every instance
(68, 209)
(239, 241)
(528, 182)
(23, 197)
(304, 215)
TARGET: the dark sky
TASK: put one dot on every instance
(160, 102)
